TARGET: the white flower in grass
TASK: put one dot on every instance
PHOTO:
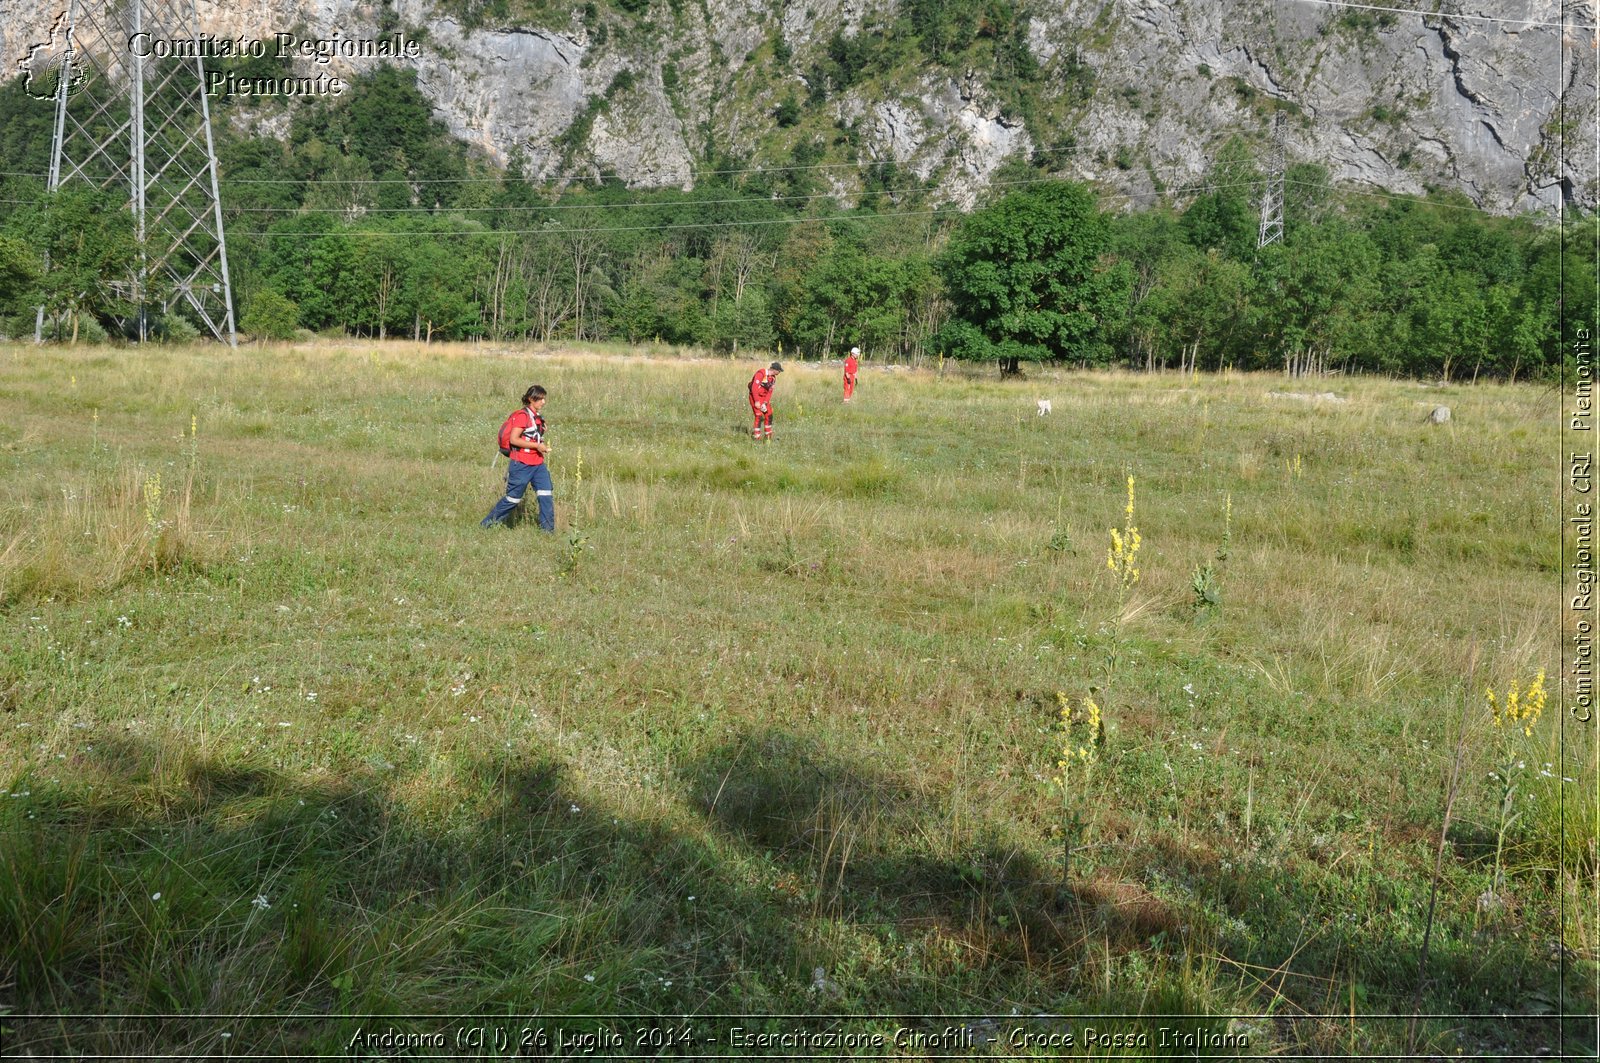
(261, 903)
(156, 896)
(588, 978)
(123, 621)
(574, 809)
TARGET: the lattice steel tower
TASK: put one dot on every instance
(1271, 230)
(132, 113)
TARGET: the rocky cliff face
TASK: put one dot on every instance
(1503, 111)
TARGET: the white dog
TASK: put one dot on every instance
(1044, 407)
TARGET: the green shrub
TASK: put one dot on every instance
(175, 328)
(270, 316)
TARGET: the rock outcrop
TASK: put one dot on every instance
(1476, 101)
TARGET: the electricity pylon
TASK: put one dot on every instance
(1271, 230)
(161, 151)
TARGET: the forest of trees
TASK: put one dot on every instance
(370, 220)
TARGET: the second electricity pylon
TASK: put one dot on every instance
(1271, 230)
(128, 116)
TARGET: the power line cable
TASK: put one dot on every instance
(665, 204)
(1446, 14)
(860, 216)
(1202, 188)
(747, 223)
(860, 165)
(554, 231)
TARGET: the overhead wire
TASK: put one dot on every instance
(1196, 189)
(1445, 14)
(642, 204)
(801, 219)
(499, 177)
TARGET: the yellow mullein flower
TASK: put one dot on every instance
(1519, 711)
(1125, 542)
(1085, 749)
(1064, 724)
(1521, 708)
(1536, 702)
(152, 500)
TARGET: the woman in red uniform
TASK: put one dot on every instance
(522, 440)
(761, 386)
(850, 366)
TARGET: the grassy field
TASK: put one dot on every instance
(775, 728)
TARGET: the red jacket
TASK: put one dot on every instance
(761, 386)
(850, 365)
(526, 425)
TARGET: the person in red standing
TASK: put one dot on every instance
(850, 366)
(522, 439)
(761, 386)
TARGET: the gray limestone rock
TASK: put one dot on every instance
(1395, 102)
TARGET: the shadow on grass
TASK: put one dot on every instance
(158, 905)
(863, 838)
(172, 896)
(864, 848)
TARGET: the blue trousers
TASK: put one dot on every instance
(518, 479)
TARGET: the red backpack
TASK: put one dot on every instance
(505, 436)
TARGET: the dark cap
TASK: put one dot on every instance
(776, 367)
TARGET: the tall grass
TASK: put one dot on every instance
(773, 731)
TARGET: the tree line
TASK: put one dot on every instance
(368, 219)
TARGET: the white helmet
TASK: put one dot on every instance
(855, 350)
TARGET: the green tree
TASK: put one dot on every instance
(1306, 291)
(849, 295)
(19, 276)
(269, 316)
(743, 324)
(1029, 280)
(1194, 310)
(87, 238)
(1225, 215)
(436, 287)
(377, 267)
